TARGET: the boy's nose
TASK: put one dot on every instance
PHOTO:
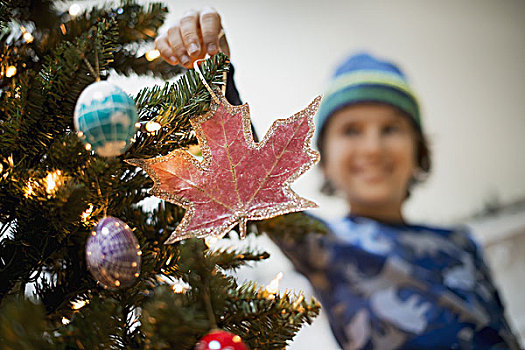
(371, 142)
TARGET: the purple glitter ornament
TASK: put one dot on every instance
(113, 254)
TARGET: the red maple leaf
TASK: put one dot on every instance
(238, 179)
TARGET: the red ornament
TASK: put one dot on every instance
(221, 340)
(239, 179)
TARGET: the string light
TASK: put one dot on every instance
(152, 126)
(65, 321)
(11, 71)
(180, 287)
(51, 181)
(26, 35)
(75, 9)
(152, 55)
(273, 287)
(236, 339)
(79, 304)
(86, 214)
(29, 189)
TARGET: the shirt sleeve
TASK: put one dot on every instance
(499, 320)
(232, 94)
(301, 237)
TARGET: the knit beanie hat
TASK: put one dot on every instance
(364, 78)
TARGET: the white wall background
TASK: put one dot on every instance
(465, 58)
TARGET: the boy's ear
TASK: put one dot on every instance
(327, 188)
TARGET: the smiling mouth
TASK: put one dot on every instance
(372, 175)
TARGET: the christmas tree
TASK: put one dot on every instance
(55, 189)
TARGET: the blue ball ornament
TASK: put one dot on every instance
(105, 118)
(113, 254)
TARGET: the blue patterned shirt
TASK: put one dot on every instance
(402, 286)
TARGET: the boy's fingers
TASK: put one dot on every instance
(210, 23)
(177, 46)
(189, 31)
(195, 35)
(162, 44)
(223, 44)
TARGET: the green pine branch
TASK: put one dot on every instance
(137, 23)
(41, 12)
(39, 112)
(294, 226)
(172, 321)
(264, 320)
(5, 13)
(40, 108)
(231, 259)
(39, 231)
(127, 62)
(22, 325)
(98, 325)
(172, 106)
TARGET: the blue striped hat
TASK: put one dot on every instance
(364, 78)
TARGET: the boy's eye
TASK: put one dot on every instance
(350, 131)
(391, 129)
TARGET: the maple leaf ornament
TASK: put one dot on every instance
(238, 179)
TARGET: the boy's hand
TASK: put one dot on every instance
(196, 34)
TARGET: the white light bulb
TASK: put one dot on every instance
(152, 126)
(28, 37)
(152, 55)
(75, 9)
(11, 71)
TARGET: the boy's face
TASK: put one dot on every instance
(370, 155)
